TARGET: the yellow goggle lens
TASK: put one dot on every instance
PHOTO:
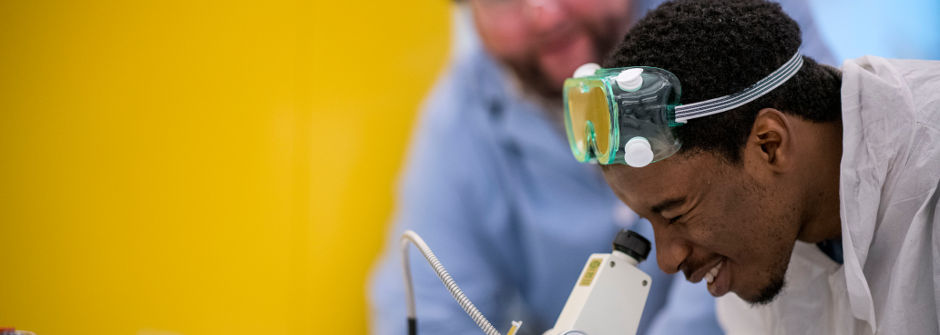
(590, 120)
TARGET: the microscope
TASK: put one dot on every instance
(608, 296)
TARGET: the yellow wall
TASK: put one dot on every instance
(190, 167)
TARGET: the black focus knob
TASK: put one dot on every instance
(633, 244)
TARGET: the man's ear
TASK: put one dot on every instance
(770, 142)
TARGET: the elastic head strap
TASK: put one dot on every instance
(735, 100)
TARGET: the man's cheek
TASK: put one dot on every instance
(506, 39)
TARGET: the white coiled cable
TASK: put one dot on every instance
(410, 236)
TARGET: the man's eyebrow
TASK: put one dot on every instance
(667, 204)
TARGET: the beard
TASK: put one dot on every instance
(775, 273)
(775, 281)
(535, 78)
(769, 292)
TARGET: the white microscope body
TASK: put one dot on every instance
(610, 293)
(607, 299)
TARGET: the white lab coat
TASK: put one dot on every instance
(890, 171)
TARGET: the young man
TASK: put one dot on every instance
(817, 202)
(491, 186)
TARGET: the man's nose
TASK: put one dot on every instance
(671, 251)
(544, 14)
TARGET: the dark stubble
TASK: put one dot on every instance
(529, 71)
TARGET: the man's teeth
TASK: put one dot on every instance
(710, 276)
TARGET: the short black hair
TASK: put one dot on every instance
(719, 47)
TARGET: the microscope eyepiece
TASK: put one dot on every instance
(632, 244)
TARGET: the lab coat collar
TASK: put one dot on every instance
(866, 83)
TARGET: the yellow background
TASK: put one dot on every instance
(189, 167)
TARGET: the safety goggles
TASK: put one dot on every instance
(626, 115)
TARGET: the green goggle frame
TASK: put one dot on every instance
(626, 115)
(602, 115)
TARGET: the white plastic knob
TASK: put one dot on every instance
(630, 79)
(638, 152)
(586, 70)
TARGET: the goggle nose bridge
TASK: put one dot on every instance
(590, 139)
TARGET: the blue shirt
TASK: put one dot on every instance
(492, 187)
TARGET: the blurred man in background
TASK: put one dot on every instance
(492, 187)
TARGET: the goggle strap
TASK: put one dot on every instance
(735, 100)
